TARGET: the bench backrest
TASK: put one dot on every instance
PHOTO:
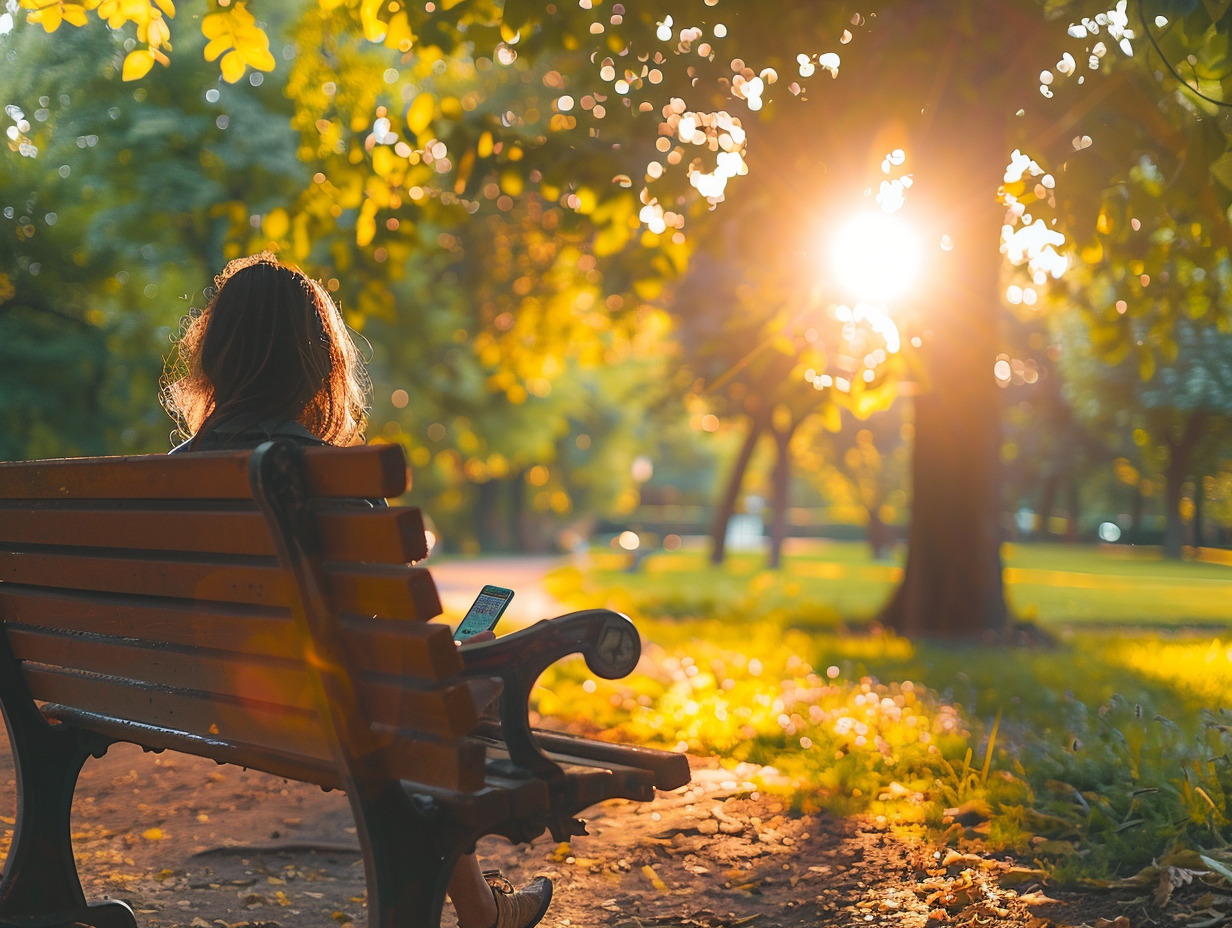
(145, 598)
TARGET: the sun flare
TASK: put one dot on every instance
(876, 257)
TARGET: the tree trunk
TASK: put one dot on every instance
(1071, 517)
(727, 505)
(780, 497)
(951, 586)
(878, 532)
(1137, 509)
(1180, 459)
(519, 517)
(1174, 528)
(1199, 518)
(492, 529)
(1048, 501)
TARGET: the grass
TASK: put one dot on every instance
(1089, 758)
(828, 582)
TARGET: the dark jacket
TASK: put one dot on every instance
(220, 438)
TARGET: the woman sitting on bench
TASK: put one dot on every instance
(270, 357)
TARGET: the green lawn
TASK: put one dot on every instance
(824, 583)
(1090, 756)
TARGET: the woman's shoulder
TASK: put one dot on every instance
(220, 438)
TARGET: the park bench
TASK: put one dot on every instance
(254, 608)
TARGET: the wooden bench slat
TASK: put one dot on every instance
(318, 770)
(279, 682)
(392, 592)
(401, 592)
(285, 730)
(420, 649)
(370, 472)
(451, 767)
(381, 536)
(588, 781)
(670, 770)
(454, 766)
(436, 710)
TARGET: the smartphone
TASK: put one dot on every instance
(484, 612)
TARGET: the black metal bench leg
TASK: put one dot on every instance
(410, 851)
(41, 888)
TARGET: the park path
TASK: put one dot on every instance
(459, 580)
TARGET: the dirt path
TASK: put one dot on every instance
(190, 844)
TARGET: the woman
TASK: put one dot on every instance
(270, 357)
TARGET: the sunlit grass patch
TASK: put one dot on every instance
(751, 697)
(1088, 758)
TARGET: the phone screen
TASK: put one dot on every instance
(484, 612)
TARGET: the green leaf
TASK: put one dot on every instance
(1221, 169)
(1219, 868)
(517, 13)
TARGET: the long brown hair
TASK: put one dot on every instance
(270, 343)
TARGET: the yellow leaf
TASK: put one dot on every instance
(75, 14)
(217, 26)
(610, 239)
(260, 58)
(419, 114)
(48, 17)
(216, 47)
(1093, 254)
(587, 201)
(157, 33)
(365, 225)
(511, 182)
(301, 242)
(465, 166)
(399, 35)
(384, 161)
(115, 12)
(277, 224)
(137, 64)
(831, 417)
(236, 29)
(655, 881)
(232, 66)
(374, 26)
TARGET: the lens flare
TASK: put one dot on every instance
(876, 257)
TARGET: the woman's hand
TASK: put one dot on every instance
(489, 635)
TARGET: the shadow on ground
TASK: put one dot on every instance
(191, 844)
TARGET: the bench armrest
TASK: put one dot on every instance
(607, 640)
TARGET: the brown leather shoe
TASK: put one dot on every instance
(519, 908)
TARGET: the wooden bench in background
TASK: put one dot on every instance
(252, 608)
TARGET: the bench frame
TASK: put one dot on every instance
(411, 835)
